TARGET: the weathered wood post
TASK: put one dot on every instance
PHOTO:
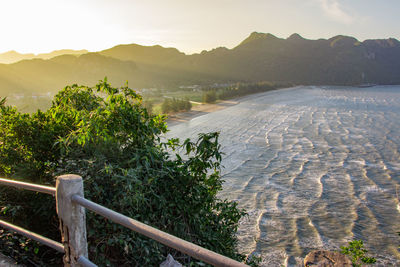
(72, 218)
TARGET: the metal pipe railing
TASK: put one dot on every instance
(83, 261)
(44, 240)
(33, 187)
(186, 247)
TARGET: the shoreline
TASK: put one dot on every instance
(205, 108)
(198, 110)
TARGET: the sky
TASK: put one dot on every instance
(191, 26)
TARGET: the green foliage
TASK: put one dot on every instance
(337, 61)
(241, 89)
(105, 135)
(357, 253)
(23, 249)
(209, 96)
(175, 105)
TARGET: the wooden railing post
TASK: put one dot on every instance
(72, 218)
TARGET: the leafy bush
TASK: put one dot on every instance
(105, 135)
(175, 105)
(357, 253)
(27, 250)
(242, 89)
(209, 96)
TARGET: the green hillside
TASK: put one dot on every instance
(340, 60)
(40, 76)
(13, 56)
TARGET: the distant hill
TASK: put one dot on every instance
(340, 60)
(145, 54)
(42, 76)
(13, 56)
(39, 75)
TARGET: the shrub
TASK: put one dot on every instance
(175, 105)
(105, 135)
(357, 253)
(166, 106)
(242, 89)
(209, 96)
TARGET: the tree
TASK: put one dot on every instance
(175, 105)
(188, 105)
(209, 96)
(105, 135)
(166, 106)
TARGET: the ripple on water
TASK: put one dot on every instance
(314, 167)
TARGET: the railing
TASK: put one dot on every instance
(71, 204)
(27, 186)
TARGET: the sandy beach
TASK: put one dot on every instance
(203, 109)
(199, 110)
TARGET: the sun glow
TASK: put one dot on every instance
(191, 26)
(42, 26)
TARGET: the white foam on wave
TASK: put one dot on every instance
(358, 161)
(274, 257)
(306, 134)
(373, 189)
(248, 232)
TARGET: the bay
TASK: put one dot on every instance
(314, 166)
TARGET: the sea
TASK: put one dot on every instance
(314, 167)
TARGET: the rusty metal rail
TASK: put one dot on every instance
(44, 240)
(32, 187)
(186, 247)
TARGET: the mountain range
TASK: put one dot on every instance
(340, 60)
(13, 56)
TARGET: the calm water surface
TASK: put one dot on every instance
(315, 167)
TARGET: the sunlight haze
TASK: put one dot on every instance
(191, 26)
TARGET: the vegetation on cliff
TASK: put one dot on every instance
(105, 135)
(357, 253)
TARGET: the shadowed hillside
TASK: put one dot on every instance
(340, 60)
(38, 75)
(13, 56)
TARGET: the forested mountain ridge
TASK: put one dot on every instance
(13, 56)
(340, 60)
(40, 76)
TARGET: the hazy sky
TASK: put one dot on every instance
(191, 26)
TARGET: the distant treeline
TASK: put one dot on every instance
(240, 89)
(175, 105)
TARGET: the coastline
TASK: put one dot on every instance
(203, 108)
(284, 131)
(199, 110)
